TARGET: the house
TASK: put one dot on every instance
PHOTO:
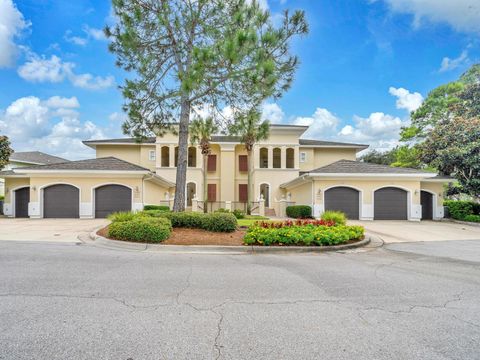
(28, 158)
(126, 175)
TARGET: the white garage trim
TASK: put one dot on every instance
(92, 204)
(437, 210)
(360, 203)
(43, 187)
(12, 200)
(414, 212)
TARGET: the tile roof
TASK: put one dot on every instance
(149, 140)
(354, 167)
(328, 143)
(105, 164)
(36, 157)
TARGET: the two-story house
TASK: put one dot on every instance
(126, 175)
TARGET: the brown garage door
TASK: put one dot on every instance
(112, 198)
(390, 204)
(426, 200)
(22, 198)
(344, 199)
(61, 201)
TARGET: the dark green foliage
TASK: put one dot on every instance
(239, 214)
(141, 229)
(156, 207)
(191, 220)
(2, 198)
(463, 210)
(378, 157)
(220, 222)
(122, 216)
(309, 235)
(299, 211)
(5, 151)
(400, 156)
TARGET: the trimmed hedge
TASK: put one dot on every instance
(217, 222)
(141, 229)
(463, 210)
(337, 217)
(309, 235)
(299, 211)
(239, 214)
(121, 216)
(156, 207)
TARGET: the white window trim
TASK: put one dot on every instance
(152, 155)
(304, 156)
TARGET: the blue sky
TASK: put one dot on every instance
(364, 66)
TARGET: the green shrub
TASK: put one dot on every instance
(303, 235)
(461, 209)
(219, 222)
(141, 229)
(121, 216)
(191, 220)
(156, 207)
(472, 218)
(337, 217)
(2, 198)
(239, 214)
(222, 210)
(299, 211)
(153, 213)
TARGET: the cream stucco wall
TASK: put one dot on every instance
(130, 153)
(12, 184)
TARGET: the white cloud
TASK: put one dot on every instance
(462, 15)
(41, 69)
(11, 25)
(52, 125)
(322, 124)
(450, 64)
(405, 99)
(77, 40)
(94, 33)
(273, 113)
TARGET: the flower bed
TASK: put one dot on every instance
(303, 235)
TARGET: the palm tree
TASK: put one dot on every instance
(201, 132)
(251, 130)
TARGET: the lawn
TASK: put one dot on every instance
(250, 220)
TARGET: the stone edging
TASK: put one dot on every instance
(461, 222)
(215, 249)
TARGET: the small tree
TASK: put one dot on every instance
(5, 151)
(189, 52)
(251, 129)
(201, 132)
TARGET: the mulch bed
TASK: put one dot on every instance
(181, 236)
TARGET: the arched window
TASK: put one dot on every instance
(165, 156)
(192, 156)
(263, 158)
(176, 156)
(290, 158)
(277, 158)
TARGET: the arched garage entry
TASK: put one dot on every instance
(61, 201)
(112, 198)
(22, 198)
(426, 200)
(344, 199)
(390, 203)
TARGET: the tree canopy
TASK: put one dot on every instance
(187, 53)
(5, 151)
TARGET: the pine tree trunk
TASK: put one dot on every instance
(249, 182)
(205, 185)
(181, 178)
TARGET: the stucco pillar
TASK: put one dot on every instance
(171, 154)
(297, 157)
(228, 205)
(270, 157)
(261, 207)
(227, 172)
(283, 155)
(195, 204)
(199, 158)
(282, 207)
(256, 157)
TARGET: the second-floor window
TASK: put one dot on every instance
(303, 157)
(263, 158)
(165, 156)
(242, 163)
(152, 156)
(192, 156)
(212, 163)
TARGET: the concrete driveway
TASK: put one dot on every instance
(50, 230)
(410, 231)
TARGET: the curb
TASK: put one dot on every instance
(215, 249)
(461, 222)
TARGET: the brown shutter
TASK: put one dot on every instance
(212, 192)
(212, 163)
(242, 163)
(243, 192)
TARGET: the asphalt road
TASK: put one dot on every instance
(403, 301)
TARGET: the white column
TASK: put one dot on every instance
(171, 153)
(270, 157)
(256, 157)
(283, 154)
